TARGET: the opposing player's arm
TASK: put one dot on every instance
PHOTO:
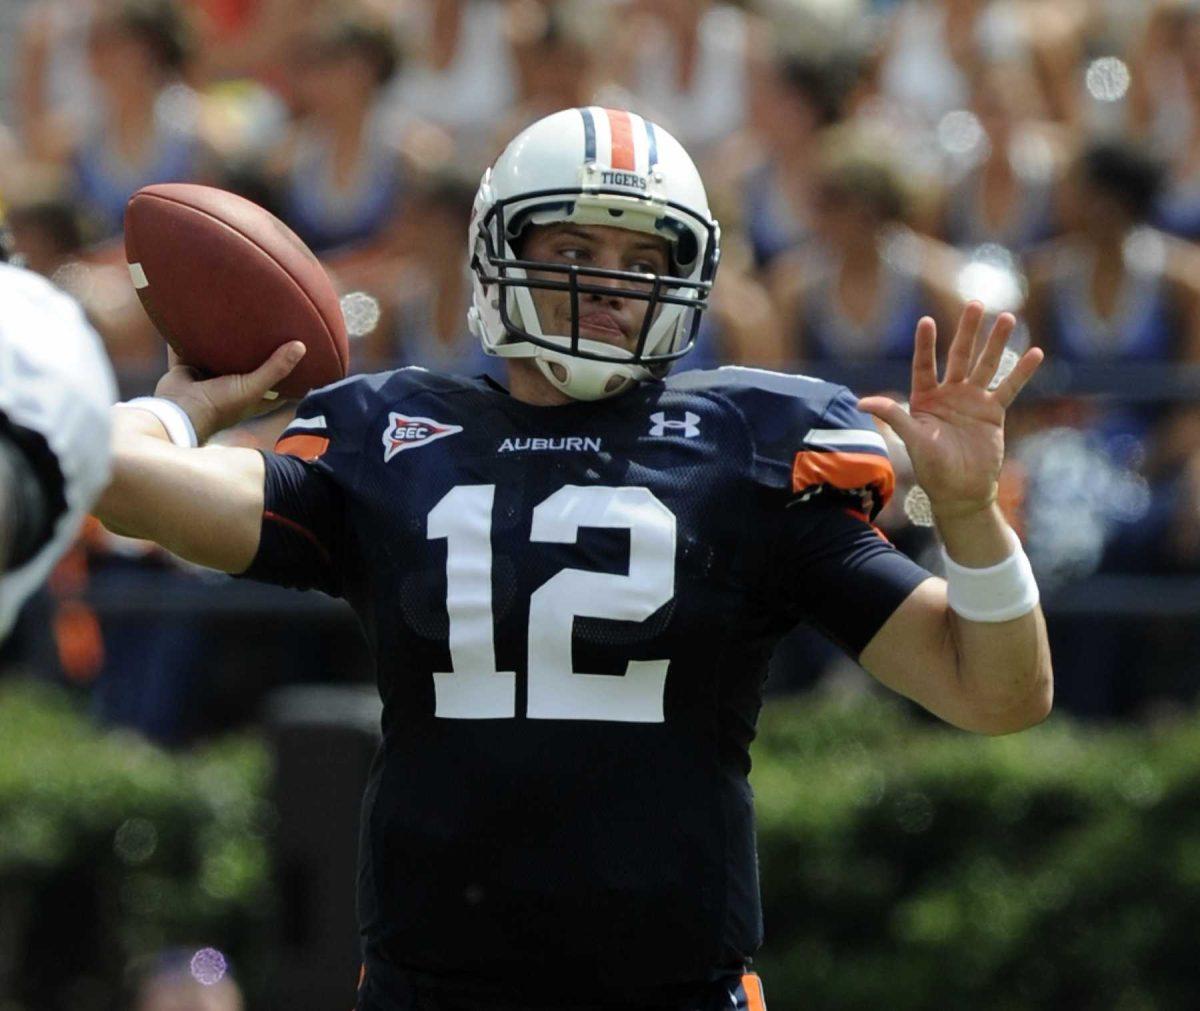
(204, 504)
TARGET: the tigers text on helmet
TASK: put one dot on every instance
(592, 166)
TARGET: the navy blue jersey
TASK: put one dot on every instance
(571, 610)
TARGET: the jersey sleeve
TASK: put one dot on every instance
(300, 540)
(808, 438)
(843, 456)
(302, 543)
(824, 474)
(831, 569)
(839, 573)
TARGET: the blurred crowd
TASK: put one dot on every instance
(870, 162)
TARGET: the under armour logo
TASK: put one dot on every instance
(689, 427)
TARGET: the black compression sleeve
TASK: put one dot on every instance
(31, 486)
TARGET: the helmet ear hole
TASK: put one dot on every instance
(686, 249)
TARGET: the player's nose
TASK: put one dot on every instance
(612, 284)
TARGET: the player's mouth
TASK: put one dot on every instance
(603, 326)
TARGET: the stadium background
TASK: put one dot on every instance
(180, 755)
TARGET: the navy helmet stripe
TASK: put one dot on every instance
(589, 135)
(650, 136)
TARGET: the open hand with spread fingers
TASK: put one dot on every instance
(954, 429)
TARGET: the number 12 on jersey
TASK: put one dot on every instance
(475, 690)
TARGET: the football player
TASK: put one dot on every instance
(572, 585)
(56, 388)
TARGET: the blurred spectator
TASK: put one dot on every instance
(932, 47)
(147, 127)
(424, 320)
(337, 179)
(1112, 288)
(54, 89)
(44, 220)
(459, 71)
(686, 61)
(794, 99)
(929, 48)
(1166, 72)
(557, 52)
(858, 292)
(1006, 196)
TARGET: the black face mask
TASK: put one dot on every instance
(494, 268)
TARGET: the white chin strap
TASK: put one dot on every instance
(583, 379)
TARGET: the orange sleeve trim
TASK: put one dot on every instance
(846, 471)
(755, 999)
(306, 447)
(302, 530)
(621, 128)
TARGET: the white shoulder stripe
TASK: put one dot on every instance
(307, 423)
(839, 438)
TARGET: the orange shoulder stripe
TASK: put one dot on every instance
(846, 471)
(754, 992)
(306, 447)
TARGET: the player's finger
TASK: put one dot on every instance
(1022, 372)
(924, 362)
(274, 370)
(958, 359)
(887, 410)
(993, 350)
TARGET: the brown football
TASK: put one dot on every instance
(226, 283)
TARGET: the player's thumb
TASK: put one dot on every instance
(890, 412)
(274, 370)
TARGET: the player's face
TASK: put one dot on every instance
(610, 319)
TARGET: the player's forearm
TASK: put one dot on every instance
(1003, 668)
(204, 505)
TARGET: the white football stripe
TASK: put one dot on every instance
(603, 135)
(317, 422)
(837, 438)
(641, 145)
(139, 276)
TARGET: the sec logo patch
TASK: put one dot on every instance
(403, 432)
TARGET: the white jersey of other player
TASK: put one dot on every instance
(54, 380)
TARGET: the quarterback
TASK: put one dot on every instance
(572, 585)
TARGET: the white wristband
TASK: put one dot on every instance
(1000, 592)
(173, 417)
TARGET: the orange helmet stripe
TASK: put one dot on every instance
(621, 128)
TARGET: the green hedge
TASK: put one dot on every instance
(909, 866)
(905, 865)
(112, 850)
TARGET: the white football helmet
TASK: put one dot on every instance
(592, 166)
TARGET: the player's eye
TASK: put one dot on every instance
(645, 267)
(575, 254)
